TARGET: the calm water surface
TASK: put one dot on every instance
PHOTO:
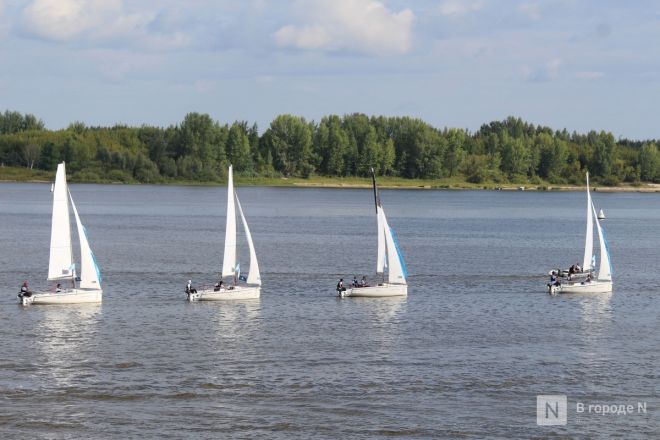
(464, 356)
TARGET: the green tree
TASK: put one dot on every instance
(649, 163)
(289, 140)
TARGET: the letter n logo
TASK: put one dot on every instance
(551, 410)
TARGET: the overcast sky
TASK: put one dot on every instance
(564, 63)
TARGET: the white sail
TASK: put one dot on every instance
(90, 276)
(605, 266)
(381, 241)
(589, 240)
(380, 260)
(396, 268)
(60, 265)
(253, 275)
(229, 260)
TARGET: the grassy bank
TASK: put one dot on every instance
(14, 174)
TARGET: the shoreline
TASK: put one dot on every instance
(383, 184)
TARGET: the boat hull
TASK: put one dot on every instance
(380, 291)
(592, 287)
(72, 296)
(237, 293)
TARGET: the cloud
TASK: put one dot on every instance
(366, 26)
(549, 72)
(94, 21)
(458, 7)
(63, 20)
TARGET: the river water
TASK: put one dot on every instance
(463, 356)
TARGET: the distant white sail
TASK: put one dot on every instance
(90, 276)
(253, 275)
(229, 260)
(589, 240)
(60, 265)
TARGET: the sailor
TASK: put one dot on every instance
(58, 288)
(355, 281)
(363, 281)
(217, 286)
(340, 285)
(25, 290)
(190, 288)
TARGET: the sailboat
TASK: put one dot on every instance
(230, 264)
(61, 267)
(389, 255)
(586, 280)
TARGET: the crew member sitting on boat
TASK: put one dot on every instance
(363, 282)
(25, 289)
(190, 288)
(58, 288)
(554, 281)
(355, 282)
(340, 286)
(217, 286)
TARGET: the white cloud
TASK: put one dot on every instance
(366, 26)
(94, 20)
(64, 20)
(458, 7)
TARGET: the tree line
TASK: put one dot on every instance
(200, 148)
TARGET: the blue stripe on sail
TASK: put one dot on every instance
(398, 252)
(607, 249)
(96, 266)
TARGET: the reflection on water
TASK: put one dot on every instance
(64, 334)
(596, 307)
(233, 319)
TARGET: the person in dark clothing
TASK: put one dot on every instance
(190, 288)
(340, 286)
(217, 286)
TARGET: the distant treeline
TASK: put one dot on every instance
(199, 149)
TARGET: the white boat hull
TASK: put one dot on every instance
(237, 293)
(71, 296)
(591, 287)
(380, 291)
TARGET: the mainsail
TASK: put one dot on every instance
(380, 262)
(60, 265)
(229, 260)
(589, 240)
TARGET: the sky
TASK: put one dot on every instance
(575, 64)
